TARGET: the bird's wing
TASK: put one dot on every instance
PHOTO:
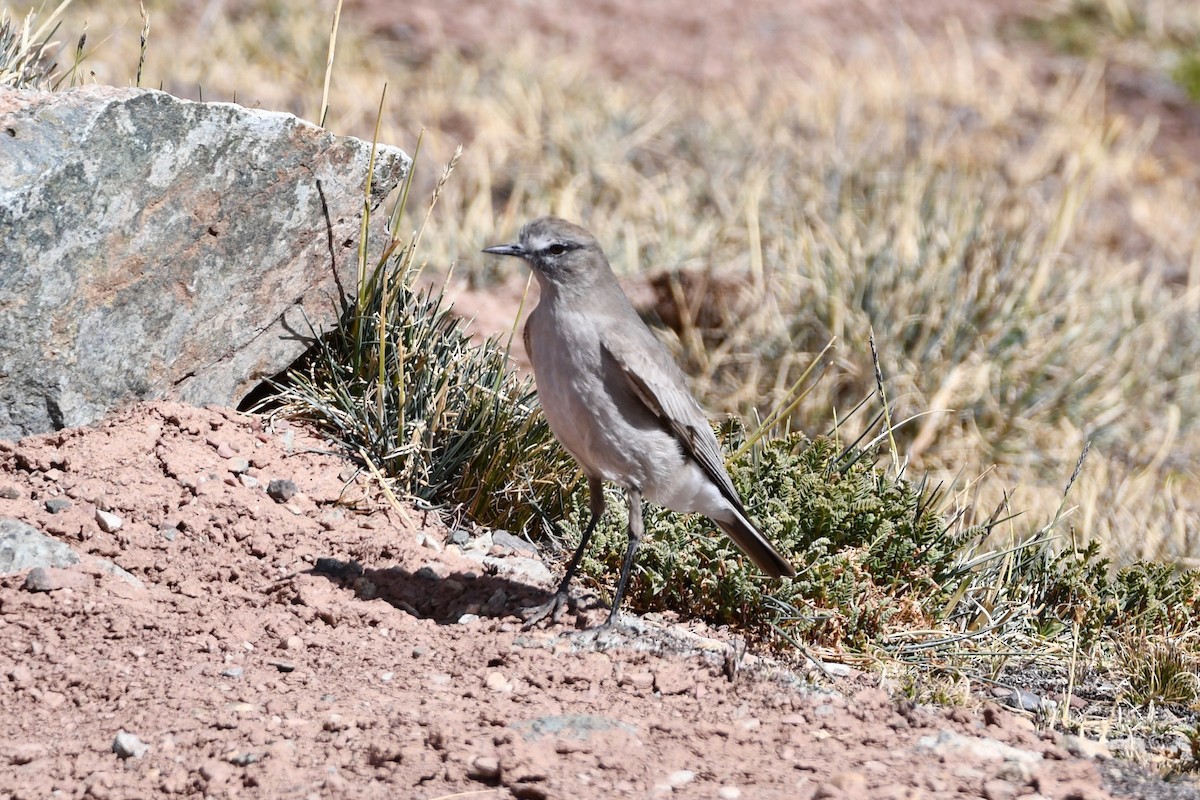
(660, 385)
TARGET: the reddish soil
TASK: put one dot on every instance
(329, 645)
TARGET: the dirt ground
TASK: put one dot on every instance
(325, 644)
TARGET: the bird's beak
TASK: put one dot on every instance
(506, 250)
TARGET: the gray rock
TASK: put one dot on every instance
(10, 492)
(57, 505)
(157, 247)
(506, 539)
(51, 579)
(24, 547)
(281, 490)
(126, 745)
(522, 568)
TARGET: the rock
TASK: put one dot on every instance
(950, 744)
(109, 523)
(126, 745)
(157, 247)
(24, 547)
(10, 492)
(282, 666)
(232, 672)
(680, 778)
(52, 579)
(56, 505)
(525, 569)
(496, 682)
(281, 490)
(729, 793)
(506, 539)
(484, 768)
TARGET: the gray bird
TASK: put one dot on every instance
(619, 404)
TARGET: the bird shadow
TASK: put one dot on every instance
(443, 597)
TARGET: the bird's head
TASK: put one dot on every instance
(560, 252)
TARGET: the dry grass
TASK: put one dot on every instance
(1030, 270)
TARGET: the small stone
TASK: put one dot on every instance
(281, 490)
(837, 670)
(484, 768)
(232, 672)
(245, 759)
(430, 542)
(52, 579)
(169, 530)
(294, 643)
(496, 682)
(238, 466)
(467, 619)
(57, 505)
(109, 523)
(249, 481)
(640, 680)
(21, 676)
(282, 666)
(126, 745)
(680, 778)
(729, 793)
(459, 537)
(506, 539)
(225, 450)
(9, 492)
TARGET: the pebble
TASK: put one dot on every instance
(225, 450)
(282, 666)
(680, 778)
(249, 481)
(51, 579)
(281, 490)
(232, 672)
(430, 542)
(127, 745)
(109, 523)
(467, 619)
(56, 505)
(729, 793)
(459, 536)
(9, 492)
(496, 682)
(506, 539)
(169, 530)
(484, 768)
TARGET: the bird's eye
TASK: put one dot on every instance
(556, 249)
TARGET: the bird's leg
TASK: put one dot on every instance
(636, 528)
(555, 606)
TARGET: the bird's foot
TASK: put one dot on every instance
(553, 608)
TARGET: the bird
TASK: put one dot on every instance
(619, 404)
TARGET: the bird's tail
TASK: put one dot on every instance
(755, 545)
